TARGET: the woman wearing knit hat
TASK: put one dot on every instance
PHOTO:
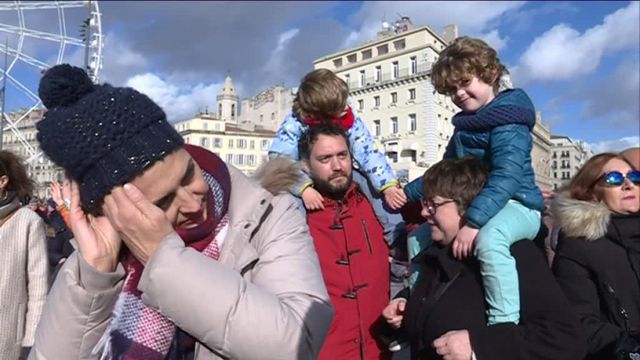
(178, 253)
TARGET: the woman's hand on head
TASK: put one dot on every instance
(98, 241)
(141, 224)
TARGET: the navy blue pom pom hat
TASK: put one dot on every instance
(101, 135)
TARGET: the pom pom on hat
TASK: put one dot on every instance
(63, 85)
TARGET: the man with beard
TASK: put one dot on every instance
(349, 240)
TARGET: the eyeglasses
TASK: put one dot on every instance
(433, 206)
(616, 178)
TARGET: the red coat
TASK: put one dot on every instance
(354, 259)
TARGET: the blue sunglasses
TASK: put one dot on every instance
(616, 178)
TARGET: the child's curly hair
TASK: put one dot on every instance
(11, 166)
(321, 94)
(463, 58)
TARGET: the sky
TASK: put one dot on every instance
(579, 61)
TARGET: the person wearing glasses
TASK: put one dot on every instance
(597, 260)
(444, 316)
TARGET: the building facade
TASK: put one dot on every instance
(268, 108)
(21, 140)
(244, 147)
(568, 157)
(390, 88)
(541, 153)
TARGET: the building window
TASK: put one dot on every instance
(230, 146)
(383, 49)
(219, 111)
(273, 116)
(264, 145)
(251, 160)
(400, 44)
(337, 63)
(204, 142)
(394, 125)
(239, 159)
(261, 118)
(394, 97)
(362, 79)
(217, 142)
(378, 73)
(347, 79)
(412, 94)
(366, 54)
(229, 158)
(352, 58)
(395, 70)
(413, 65)
(252, 144)
(393, 156)
(233, 111)
(413, 125)
(376, 127)
(205, 127)
(217, 126)
(376, 101)
(241, 143)
(360, 104)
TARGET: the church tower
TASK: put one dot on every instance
(227, 102)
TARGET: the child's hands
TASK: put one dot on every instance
(463, 243)
(394, 197)
(312, 199)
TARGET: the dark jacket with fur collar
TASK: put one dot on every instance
(597, 264)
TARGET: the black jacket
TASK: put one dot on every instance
(450, 297)
(597, 264)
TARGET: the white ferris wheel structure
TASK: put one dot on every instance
(34, 36)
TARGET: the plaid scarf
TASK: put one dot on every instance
(137, 331)
(345, 121)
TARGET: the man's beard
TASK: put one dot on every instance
(330, 190)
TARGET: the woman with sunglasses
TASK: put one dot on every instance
(445, 315)
(597, 260)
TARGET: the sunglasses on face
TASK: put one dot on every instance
(616, 178)
(432, 206)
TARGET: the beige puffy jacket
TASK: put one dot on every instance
(264, 299)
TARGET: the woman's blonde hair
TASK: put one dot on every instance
(321, 94)
(463, 58)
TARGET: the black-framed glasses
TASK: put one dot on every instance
(616, 178)
(433, 206)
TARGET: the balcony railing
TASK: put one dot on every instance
(387, 77)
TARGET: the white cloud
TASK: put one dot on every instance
(178, 102)
(120, 60)
(276, 59)
(615, 145)
(563, 53)
(494, 40)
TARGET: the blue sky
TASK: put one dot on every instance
(579, 61)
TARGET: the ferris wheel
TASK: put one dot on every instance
(34, 36)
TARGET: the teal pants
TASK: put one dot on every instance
(498, 268)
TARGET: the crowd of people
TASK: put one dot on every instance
(156, 249)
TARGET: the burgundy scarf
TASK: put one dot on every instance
(345, 121)
(137, 331)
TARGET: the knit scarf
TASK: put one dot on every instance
(345, 121)
(508, 107)
(137, 331)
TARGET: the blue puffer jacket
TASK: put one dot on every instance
(500, 134)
